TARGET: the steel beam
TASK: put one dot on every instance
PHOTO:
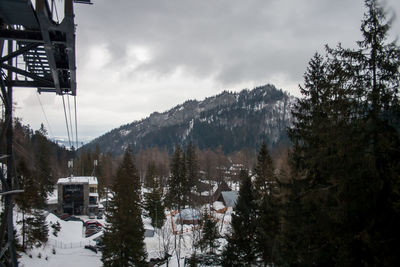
(25, 73)
(35, 84)
(21, 35)
(19, 52)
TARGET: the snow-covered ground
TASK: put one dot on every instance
(70, 241)
(68, 246)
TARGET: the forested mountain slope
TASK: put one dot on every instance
(230, 120)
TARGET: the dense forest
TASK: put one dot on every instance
(339, 206)
(230, 121)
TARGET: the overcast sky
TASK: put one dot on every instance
(135, 57)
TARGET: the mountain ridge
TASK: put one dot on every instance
(232, 120)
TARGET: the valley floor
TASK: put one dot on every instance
(69, 244)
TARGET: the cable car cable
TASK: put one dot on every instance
(70, 121)
(45, 117)
(76, 123)
(66, 121)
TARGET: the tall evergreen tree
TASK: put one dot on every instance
(268, 216)
(43, 171)
(177, 180)
(345, 154)
(124, 235)
(38, 184)
(370, 213)
(192, 170)
(154, 203)
(208, 242)
(36, 229)
(241, 249)
(264, 172)
(319, 143)
(26, 201)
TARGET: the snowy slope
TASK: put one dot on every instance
(70, 242)
(69, 247)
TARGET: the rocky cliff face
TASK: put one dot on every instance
(229, 120)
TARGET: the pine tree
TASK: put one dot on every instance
(39, 184)
(31, 196)
(319, 141)
(124, 236)
(264, 172)
(241, 249)
(268, 230)
(208, 242)
(268, 216)
(43, 171)
(41, 228)
(192, 170)
(154, 197)
(27, 200)
(36, 229)
(345, 155)
(370, 213)
(177, 180)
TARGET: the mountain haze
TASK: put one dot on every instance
(230, 120)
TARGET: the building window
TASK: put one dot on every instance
(73, 199)
(92, 200)
(92, 190)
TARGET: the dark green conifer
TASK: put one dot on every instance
(208, 242)
(264, 172)
(268, 215)
(192, 170)
(318, 139)
(177, 180)
(26, 201)
(124, 234)
(369, 196)
(241, 249)
(154, 203)
(36, 233)
(43, 171)
(345, 155)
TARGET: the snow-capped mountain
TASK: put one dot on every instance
(230, 120)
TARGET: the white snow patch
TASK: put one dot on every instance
(124, 132)
(187, 132)
(78, 179)
(217, 205)
(53, 197)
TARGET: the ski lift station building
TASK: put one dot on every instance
(78, 195)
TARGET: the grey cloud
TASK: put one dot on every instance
(225, 39)
(226, 42)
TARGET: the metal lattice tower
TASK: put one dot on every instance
(35, 51)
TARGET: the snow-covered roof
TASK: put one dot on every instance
(230, 197)
(78, 180)
(217, 205)
(188, 214)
